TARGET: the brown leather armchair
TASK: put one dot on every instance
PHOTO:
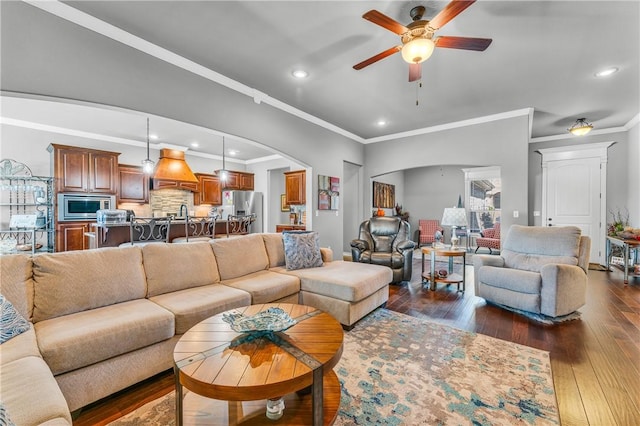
(385, 241)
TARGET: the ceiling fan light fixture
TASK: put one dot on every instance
(418, 50)
(581, 127)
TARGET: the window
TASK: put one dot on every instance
(482, 194)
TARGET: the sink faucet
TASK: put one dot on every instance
(186, 212)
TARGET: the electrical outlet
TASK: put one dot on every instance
(516, 213)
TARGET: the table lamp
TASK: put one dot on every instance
(455, 218)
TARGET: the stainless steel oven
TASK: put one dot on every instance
(83, 206)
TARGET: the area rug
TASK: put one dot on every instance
(400, 370)
(597, 267)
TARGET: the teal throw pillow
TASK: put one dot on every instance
(11, 322)
(301, 250)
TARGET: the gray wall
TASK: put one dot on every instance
(633, 164)
(501, 143)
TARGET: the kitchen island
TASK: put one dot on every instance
(114, 234)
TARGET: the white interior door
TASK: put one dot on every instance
(574, 191)
(573, 197)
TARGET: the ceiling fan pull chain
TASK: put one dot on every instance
(418, 86)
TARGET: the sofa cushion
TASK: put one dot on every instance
(193, 305)
(512, 279)
(83, 338)
(172, 267)
(240, 256)
(17, 283)
(26, 382)
(301, 250)
(11, 322)
(348, 281)
(266, 286)
(19, 347)
(76, 281)
(534, 262)
(275, 248)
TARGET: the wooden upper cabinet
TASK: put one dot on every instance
(84, 170)
(237, 180)
(209, 190)
(295, 184)
(134, 185)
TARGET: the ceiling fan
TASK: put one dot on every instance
(418, 39)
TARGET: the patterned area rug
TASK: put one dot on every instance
(400, 370)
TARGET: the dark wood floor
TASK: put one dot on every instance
(595, 360)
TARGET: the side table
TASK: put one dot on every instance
(628, 247)
(451, 277)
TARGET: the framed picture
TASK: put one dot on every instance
(328, 192)
(384, 195)
(284, 207)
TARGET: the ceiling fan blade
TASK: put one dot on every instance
(415, 72)
(466, 43)
(452, 10)
(385, 22)
(377, 57)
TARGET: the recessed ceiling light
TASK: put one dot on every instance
(607, 72)
(381, 122)
(154, 137)
(195, 144)
(232, 152)
(299, 73)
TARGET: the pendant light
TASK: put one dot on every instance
(223, 172)
(147, 164)
(581, 127)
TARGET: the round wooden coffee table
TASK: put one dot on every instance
(215, 362)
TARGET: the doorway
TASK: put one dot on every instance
(574, 191)
(352, 202)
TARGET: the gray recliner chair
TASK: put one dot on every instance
(385, 241)
(540, 269)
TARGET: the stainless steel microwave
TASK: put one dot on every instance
(83, 206)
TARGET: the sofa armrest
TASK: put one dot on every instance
(361, 245)
(406, 245)
(564, 289)
(327, 254)
(480, 260)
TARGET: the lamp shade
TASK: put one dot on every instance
(417, 50)
(453, 216)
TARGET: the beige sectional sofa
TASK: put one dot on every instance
(108, 318)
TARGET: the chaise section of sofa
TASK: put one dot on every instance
(346, 290)
(91, 316)
(21, 365)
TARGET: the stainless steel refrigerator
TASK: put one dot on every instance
(244, 203)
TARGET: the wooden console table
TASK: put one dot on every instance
(628, 247)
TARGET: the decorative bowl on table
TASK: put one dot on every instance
(273, 319)
(443, 273)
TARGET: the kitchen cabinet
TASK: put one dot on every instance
(174, 184)
(133, 184)
(237, 180)
(84, 170)
(295, 184)
(209, 190)
(71, 236)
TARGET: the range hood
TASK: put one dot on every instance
(172, 167)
